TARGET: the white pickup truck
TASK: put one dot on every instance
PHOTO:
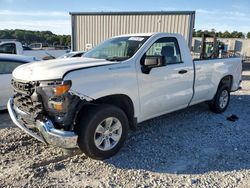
(92, 101)
(15, 47)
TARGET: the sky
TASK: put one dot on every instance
(53, 15)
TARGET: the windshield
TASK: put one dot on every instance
(117, 49)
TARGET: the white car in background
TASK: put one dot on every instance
(8, 46)
(8, 63)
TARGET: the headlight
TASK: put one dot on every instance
(55, 88)
(62, 89)
(54, 94)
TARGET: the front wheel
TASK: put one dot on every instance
(102, 131)
(221, 100)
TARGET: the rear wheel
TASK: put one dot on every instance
(221, 100)
(102, 131)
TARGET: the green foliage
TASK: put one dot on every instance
(226, 34)
(248, 35)
(28, 37)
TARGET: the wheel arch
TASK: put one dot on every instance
(226, 80)
(121, 101)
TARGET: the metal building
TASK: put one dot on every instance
(91, 28)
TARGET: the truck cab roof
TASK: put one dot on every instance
(148, 34)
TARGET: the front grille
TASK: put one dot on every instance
(24, 88)
(25, 103)
(26, 100)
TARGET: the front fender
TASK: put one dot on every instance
(98, 82)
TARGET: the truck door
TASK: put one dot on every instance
(165, 88)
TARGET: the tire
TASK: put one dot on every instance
(219, 105)
(90, 139)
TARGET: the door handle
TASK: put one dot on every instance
(182, 71)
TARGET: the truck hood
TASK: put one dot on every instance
(55, 69)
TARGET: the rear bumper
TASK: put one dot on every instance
(47, 132)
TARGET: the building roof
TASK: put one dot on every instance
(135, 13)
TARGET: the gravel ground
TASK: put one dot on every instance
(189, 148)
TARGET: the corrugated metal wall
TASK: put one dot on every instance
(89, 29)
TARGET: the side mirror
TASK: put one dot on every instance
(149, 62)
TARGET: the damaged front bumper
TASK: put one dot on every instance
(47, 133)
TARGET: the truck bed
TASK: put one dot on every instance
(208, 74)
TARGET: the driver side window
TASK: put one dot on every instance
(167, 47)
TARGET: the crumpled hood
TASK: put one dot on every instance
(54, 69)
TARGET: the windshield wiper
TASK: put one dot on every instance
(116, 58)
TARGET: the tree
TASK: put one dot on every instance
(27, 37)
(220, 34)
(68, 40)
(197, 33)
(226, 34)
(5, 34)
(236, 34)
(240, 35)
(248, 35)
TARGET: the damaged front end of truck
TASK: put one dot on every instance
(47, 110)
